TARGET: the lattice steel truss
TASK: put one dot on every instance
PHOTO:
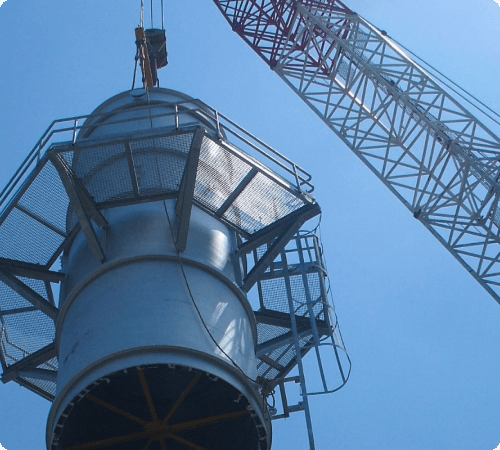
(429, 150)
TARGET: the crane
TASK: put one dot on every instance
(222, 107)
(429, 150)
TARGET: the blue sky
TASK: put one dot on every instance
(422, 334)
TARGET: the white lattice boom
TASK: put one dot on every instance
(429, 150)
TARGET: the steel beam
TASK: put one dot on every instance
(288, 338)
(79, 201)
(264, 236)
(131, 168)
(10, 312)
(272, 252)
(271, 362)
(281, 319)
(28, 294)
(30, 270)
(40, 220)
(31, 361)
(39, 374)
(239, 189)
(184, 203)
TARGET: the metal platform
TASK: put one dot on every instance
(245, 184)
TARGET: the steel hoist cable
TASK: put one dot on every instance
(162, 9)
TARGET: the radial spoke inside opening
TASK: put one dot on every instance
(207, 421)
(182, 397)
(186, 443)
(116, 410)
(147, 394)
(111, 441)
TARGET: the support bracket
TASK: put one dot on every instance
(31, 361)
(266, 234)
(287, 231)
(29, 294)
(82, 204)
(184, 203)
(30, 270)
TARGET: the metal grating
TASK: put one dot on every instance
(25, 333)
(47, 199)
(267, 332)
(25, 239)
(296, 277)
(262, 203)
(219, 173)
(39, 219)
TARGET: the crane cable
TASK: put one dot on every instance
(141, 22)
(205, 326)
(141, 25)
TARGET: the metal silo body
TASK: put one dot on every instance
(145, 323)
(132, 238)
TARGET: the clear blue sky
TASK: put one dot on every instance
(424, 337)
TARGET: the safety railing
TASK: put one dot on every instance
(67, 131)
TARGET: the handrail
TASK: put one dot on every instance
(78, 124)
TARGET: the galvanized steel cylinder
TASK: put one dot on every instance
(156, 348)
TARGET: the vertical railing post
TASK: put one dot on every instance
(219, 134)
(75, 127)
(298, 350)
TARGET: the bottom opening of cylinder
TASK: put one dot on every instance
(160, 407)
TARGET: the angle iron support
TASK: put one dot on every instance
(271, 362)
(272, 252)
(87, 201)
(281, 319)
(131, 168)
(284, 339)
(50, 293)
(64, 245)
(38, 374)
(264, 236)
(278, 270)
(31, 361)
(284, 399)
(239, 189)
(184, 203)
(30, 270)
(78, 204)
(28, 294)
(10, 312)
(40, 220)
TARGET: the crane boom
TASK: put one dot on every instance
(429, 150)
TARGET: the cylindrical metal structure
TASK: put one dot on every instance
(156, 347)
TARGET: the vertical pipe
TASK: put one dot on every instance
(74, 130)
(310, 309)
(305, 400)
(328, 317)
